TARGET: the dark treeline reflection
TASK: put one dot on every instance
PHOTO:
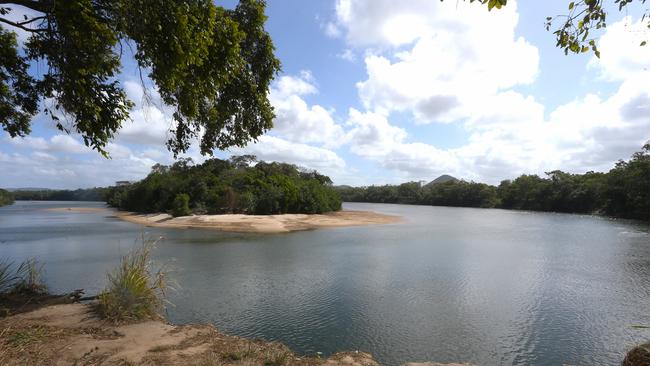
(624, 191)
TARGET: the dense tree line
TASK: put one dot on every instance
(238, 185)
(6, 198)
(624, 191)
(89, 194)
(452, 193)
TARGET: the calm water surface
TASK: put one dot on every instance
(490, 287)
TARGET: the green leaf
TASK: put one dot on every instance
(643, 43)
(571, 5)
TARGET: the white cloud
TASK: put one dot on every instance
(622, 57)
(459, 56)
(512, 137)
(269, 148)
(332, 30)
(151, 119)
(39, 169)
(57, 144)
(65, 143)
(149, 125)
(347, 55)
(295, 119)
(454, 62)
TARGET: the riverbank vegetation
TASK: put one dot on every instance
(624, 191)
(238, 185)
(21, 286)
(6, 198)
(88, 194)
(135, 289)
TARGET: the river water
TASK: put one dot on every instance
(490, 287)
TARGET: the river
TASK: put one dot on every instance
(483, 286)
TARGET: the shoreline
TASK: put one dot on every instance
(239, 223)
(72, 334)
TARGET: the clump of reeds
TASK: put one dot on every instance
(26, 278)
(136, 290)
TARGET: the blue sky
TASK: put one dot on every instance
(379, 91)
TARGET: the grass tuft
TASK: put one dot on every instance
(239, 354)
(29, 278)
(135, 290)
(276, 358)
(26, 279)
(7, 278)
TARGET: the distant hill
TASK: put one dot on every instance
(442, 179)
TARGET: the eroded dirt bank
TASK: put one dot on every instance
(72, 335)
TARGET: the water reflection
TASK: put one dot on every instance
(448, 284)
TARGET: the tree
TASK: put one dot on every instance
(181, 205)
(212, 65)
(576, 28)
(219, 186)
(6, 198)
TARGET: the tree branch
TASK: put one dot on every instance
(21, 26)
(41, 6)
(32, 20)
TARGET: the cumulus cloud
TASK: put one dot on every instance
(453, 62)
(57, 144)
(296, 120)
(373, 137)
(589, 133)
(270, 148)
(456, 55)
(621, 56)
(40, 169)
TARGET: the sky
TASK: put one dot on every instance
(385, 92)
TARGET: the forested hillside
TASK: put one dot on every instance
(89, 194)
(238, 185)
(624, 191)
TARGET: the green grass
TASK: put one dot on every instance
(27, 278)
(22, 338)
(7, 277)
(135, 290)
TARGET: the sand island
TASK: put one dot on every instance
(267, 224)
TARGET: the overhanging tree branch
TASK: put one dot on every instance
(22, 26)
(41, 6)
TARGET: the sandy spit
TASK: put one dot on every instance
(76, 209)
(262, 223)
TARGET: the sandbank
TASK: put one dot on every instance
(262, 223)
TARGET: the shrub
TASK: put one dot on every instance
(135, 291)
(181, 205)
